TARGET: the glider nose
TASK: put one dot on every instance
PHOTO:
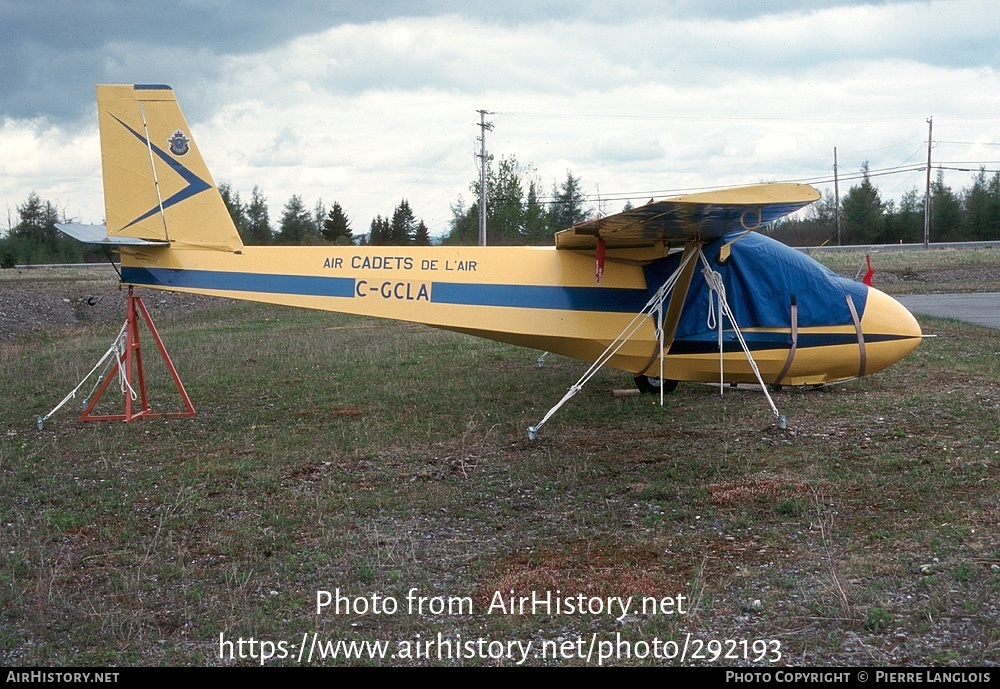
(890, 331)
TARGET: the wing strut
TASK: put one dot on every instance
(654, 305)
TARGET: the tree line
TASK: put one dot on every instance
(35, 239)
(319, 226)
(518, 213)
(973, 214)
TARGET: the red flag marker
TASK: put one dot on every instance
(869, 275)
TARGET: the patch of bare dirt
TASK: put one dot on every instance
(751, 487)
(45, 306)
(588, 568)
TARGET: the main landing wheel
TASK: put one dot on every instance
(650, 385)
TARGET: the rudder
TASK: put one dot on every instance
(156, 183)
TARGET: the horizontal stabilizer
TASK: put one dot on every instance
(704, 216)
(98, 234)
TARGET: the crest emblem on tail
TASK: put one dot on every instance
(179, 144)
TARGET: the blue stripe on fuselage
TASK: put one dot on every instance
(708, 343)
(517, 296)
(239, 282)
(617, 300)
(523, 296)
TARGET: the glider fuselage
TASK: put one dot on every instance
(536, 297)
(802, 324)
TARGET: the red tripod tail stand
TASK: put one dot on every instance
(128, 365)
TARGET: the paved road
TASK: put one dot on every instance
(981, 308)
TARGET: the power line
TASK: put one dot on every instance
(695, 118)
(821, 179)
(966, 169)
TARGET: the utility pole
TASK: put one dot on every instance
(484, 126)
(836, 195)
(927, 197)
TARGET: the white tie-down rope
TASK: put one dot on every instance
(123, 383)
(659, 338)
(715, 284)
(655, 304)
(117, 349)
(713, 319)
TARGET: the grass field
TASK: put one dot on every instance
(379, 458)
(918, 271)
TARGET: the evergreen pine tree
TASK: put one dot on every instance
(946, 212)
(379, 232)
(258, 227)
(402, 226)
(234, 204)
(337, 227)
(464, 224)
(421, 236)
(567, 205)
(297, 223)
(862, 220)
(536, 218)
(319, 216)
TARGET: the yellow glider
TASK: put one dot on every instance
(804, 325)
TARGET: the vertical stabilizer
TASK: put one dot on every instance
(156, 184)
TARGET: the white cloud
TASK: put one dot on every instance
(61, 165)
(369, 113)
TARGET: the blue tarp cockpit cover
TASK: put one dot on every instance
(761, 277)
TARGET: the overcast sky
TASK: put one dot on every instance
(369, 103)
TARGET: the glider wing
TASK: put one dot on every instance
(703, 216)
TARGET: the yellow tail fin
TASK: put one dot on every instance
(156, 184)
